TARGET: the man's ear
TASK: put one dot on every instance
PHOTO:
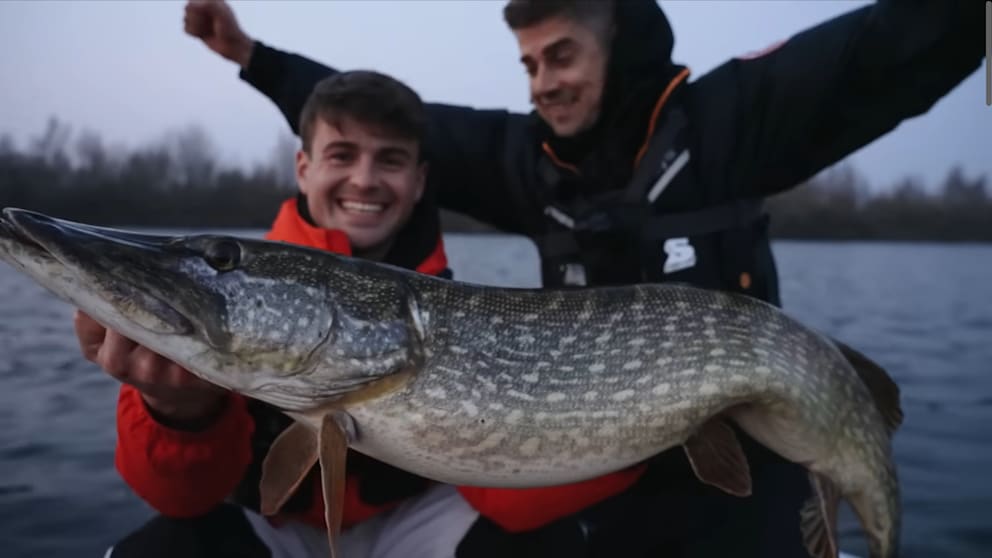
(422, 170)
(302, 163)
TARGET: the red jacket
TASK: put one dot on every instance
(184, 474)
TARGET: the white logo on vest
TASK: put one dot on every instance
(681, 255)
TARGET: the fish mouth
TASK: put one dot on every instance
(114, 263)
(10, 232)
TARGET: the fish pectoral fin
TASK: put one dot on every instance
(818, 518)
(291, 457)
(884, 390)
(333, 451)
(717, 458)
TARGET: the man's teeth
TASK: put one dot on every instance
(564, 97)
(565, 103)
(362, 206)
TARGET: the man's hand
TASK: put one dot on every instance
(213, 22)
(169, 390)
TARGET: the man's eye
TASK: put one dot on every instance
(340, 157)
(563, 59)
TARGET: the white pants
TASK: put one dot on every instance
(428, 526)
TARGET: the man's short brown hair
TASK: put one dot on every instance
(597, 14)
(369, 97)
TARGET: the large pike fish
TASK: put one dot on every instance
(478, 385)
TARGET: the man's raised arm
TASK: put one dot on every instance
(467, 148)
(838, 86)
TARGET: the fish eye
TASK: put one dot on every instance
(223, 255)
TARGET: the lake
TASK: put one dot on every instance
(923, 311)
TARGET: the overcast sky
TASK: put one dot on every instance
(127, 71)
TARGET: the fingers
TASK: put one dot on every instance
(214, 23)
(148, 367)
(177, 377)
(166, 386)
(115, 356)
(202, 17)
(109, 349)
(132, 363)
(197, 19)
(90, 335)
(145, 369)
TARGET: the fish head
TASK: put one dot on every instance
(271, 320)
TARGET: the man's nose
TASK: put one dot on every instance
(363, 173)
(544, 82)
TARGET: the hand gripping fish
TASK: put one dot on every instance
(479, 385)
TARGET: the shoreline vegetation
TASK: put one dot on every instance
(178, 182)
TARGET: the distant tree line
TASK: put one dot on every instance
(176, 181)
(838, 204)
(179, 182)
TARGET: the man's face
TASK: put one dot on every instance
(566, 62)
(361, 181)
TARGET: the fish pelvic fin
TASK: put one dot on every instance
(373, 390)
(332, 451)
(287, 463)
(883, 388)
(717, 458)
(818, 518)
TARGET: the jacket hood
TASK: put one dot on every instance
(643, 43)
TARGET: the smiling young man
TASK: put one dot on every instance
(356, 174)
(628, 172)
(194, 452)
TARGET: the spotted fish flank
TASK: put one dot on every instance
(477, 385)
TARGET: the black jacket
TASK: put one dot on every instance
(746, 130)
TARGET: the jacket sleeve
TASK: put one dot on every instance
(831, 89)
(181, 474)
(475, 159)
(467, 148)
(285, 78)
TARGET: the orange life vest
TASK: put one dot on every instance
(289, 226)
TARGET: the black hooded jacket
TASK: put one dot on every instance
(754, 127)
